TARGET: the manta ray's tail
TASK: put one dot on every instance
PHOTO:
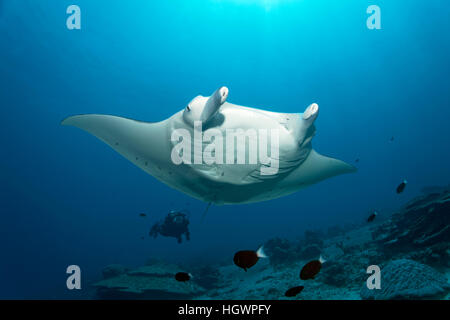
(206, 211)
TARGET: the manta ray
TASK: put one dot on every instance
(163, 149)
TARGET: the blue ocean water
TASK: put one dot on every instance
(67, 198)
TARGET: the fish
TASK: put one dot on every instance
(357, 160)
(372, 216)
(401, 186)
(183, 276)
(292, 292)
(246, 259)
(311, 269)
(142, 215)
(155, 147)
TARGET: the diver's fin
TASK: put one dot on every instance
(206, 211)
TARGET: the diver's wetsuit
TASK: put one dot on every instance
(174, 225)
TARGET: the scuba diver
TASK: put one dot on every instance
(174, 225)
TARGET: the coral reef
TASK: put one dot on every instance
(334, 231)
(281, 251)
(206, 277)
(421, 231)
(335, 274)
(411, 247)
(310, 247)
(113, 270)
(313, 238)
(155, 281)
(407, 279)
(333, 252)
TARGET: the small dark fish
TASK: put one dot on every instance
(248, 258)
(372, 216)
(142, 215)
(401, 186)
(292, 292)
(392, 139)
(142, 237)
(357, 160)
(183, 276)
(311, 269)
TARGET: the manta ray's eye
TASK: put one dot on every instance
(188, 108)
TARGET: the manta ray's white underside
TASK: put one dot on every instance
(149, 146)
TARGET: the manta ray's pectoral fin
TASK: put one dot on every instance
(317, 167)
(143, 143)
